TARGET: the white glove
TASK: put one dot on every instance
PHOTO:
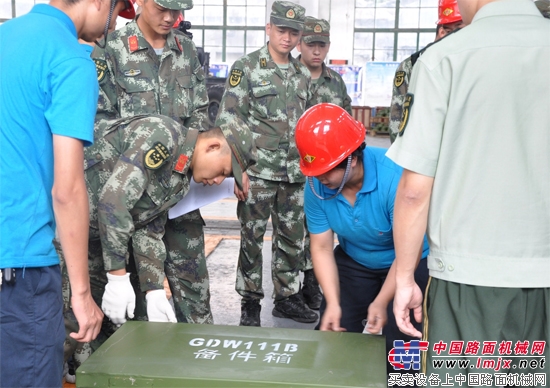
(119, 298)
(158, 307)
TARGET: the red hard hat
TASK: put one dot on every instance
(129, 12)
(448, 12)
(178, 20)
(325, 135)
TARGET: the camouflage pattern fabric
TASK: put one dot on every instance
(129, 199)
(287, 14)
(270, 101)
(330, 87)
(400, 88)
(284, 202)
(134, 80)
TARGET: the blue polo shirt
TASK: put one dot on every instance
(48, 85)
(365, 230)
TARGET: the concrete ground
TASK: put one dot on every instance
(222, 234)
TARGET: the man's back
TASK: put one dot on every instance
(33, 87)
(479, 125)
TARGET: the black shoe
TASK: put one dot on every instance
(311, 291)
(295, 308)
(250, 312)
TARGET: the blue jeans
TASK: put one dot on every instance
(32, 329)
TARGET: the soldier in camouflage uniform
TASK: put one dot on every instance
(327, 86)
(136, 170)
(269, 89)
(449, 21)
(150, 68)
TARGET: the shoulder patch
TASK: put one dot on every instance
(409, 99)
(235, 78)
(101, 68)
(399, 78)
(156, 156)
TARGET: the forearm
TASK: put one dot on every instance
(388, 288)
(410, 222)
(325, 268)
(149, 253)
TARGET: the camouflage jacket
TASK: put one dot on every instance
(400, 88)
(136, 170)
(134, 80)
(270, 101)
(330, 87)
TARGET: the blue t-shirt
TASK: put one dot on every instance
(365, 230)
(48, 85)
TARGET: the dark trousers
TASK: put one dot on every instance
(359, 286)
(32, 329)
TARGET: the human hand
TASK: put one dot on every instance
(158, 307)
(119, 298)
(377, 316)
(88, 315)
(407, 297)
(242, 194)
(330, 321)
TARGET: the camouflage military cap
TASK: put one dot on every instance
(243, 151)
(180, 5)
(316, 30)
(544, 7)
(287, 14)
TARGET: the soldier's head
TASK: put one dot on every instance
(223, 151)
(158, 16)
(90, 17)
(285, 26)
(449, 18)
(315, 43)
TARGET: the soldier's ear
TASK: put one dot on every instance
(214, 144)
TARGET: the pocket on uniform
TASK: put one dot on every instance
(268, 142)
(265, 101)
(183, 99)
(137, 96)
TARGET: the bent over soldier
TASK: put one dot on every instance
(149, 68)
(137, 169)
(269, 89)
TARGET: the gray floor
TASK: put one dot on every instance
(222, 224)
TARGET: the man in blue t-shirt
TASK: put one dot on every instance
(48, 95)
(352, 196)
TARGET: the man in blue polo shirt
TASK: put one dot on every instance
(352, 195)
(48, 95)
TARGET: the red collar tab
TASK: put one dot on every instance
(180, 165)
(133, 43)
(178, 43)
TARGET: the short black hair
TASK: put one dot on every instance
(358, 153)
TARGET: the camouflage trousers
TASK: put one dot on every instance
(284, 202)
(306, 263)
(185, 268)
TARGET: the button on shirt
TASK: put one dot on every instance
(364, 230)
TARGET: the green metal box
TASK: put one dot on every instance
(146, 354)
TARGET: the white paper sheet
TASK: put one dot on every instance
(200, 195)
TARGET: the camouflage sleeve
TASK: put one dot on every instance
(149, 153)
(346, 103)
(236, 100)
(149, 254)
(107, 105)
(400, 87)
(199, 118)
